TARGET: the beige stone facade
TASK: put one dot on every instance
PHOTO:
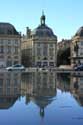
(26, 49)
(10, 45)
(77, 48)
(44, 51)
(39, 47)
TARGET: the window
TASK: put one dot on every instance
(16, 42)
(51, 45)
(39, 58)
(8, 49)
(1, 91)
(38, 44)
(15, 91)
(51, 52)
(9, 42)
(45, 49)
(51, 63)
(15, 82)
(51, 57)
(39, 64)
(45, 64)
(8, 91)
(9, 57)
(1, 49)
(38, 51)
(8, 82)
(1, 57)
(1, 83)
(9, 62)
(16, 57)
(16, 62)
(45, 78)
(81, 53)
(16, 50)
(82, 43)
(1, 42)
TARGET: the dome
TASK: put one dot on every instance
(42, 101)
(79, 32)
(7, 29)
(43, 30)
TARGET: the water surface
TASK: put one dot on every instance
(41, 98)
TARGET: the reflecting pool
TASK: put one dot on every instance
(41, 98)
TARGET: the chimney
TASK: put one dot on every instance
(28, 32)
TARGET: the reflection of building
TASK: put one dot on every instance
(77, 47)
(77, 89)
(40, 46)
(9, 89)
(63, 82)
(9, 45)
(27, 86)
(40, 87)
(44, 89)
(44, 81)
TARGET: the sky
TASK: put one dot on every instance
(63, 16)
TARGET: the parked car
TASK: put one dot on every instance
(16, 67)
(79, 68)
(43, 69)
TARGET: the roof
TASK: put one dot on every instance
(43, 31)
(7, 29)
(79, 32)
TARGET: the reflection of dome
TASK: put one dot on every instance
(6, 103)
(79, 32)
(42, 101)
(7, 29)
(43, 30)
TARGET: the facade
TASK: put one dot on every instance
(39, 47)
(63, 44)
(77, 48)
(40, 88)
(44, 50)
(63, 52)
(77, 89)
(10, 45)
(10, 89)
(26, 48)
(44, 89)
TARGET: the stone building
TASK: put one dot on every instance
(10, 45)
(44, 50)
(26, 48)
(63, 52)
(40, 47)
(77, 48)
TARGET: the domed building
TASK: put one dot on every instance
(9, 45)
(44, 45)
(44, 89)
(77, 48)
(40, 46)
